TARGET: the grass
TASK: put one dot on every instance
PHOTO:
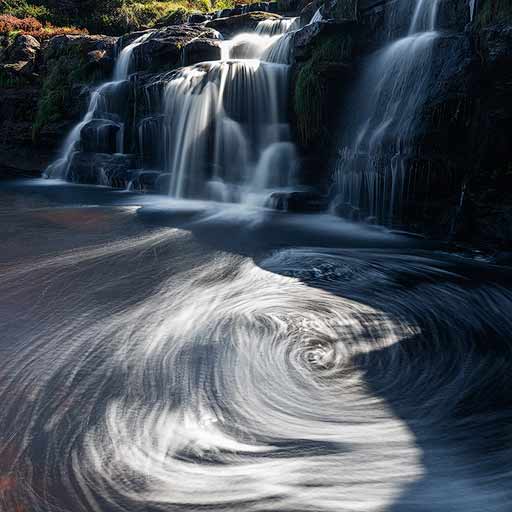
(112, 17)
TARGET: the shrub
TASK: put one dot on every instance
(23, 9)
(10, 25)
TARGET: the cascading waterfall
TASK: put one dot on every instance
(372, 172)
(97, 109)
(215, 130)
(226, 134)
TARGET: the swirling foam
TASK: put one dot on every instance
(171, 379)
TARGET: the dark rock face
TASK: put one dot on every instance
(298, 202)
(102, 169)
(232, 25)
(100, 136)
(25, 66)
(199, 18)
(201, 50)
(175, 46)
(459, 150)
(59, 46)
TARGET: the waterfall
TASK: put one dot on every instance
(215, 130)
(472, 6)
(225, 134)
(372, 173)
(317, 16)
(97, 105)
(277, 27)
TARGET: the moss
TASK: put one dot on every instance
(56, 100)
(493, 11)
(311, 93)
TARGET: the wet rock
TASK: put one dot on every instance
(308, 11)
(100, 168)
(201, 50)
(232, 25)
(452, 15)
(199, 18)
(298, 201)
(273, 7)
(305, 39)
(100, 136)
(144, 181)
(166, 49)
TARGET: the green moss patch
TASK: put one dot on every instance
(56, 102)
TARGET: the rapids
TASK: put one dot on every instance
(164, 355)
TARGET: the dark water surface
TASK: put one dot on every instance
(162, 355)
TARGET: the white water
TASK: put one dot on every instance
(220, 124)
(60, 168)
(225, 133)
(371, 171)
(144, 371)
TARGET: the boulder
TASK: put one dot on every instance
(24, 49)
(308, 11)
(201, 50)
(79, 45)
(168, 47)
(232, 25)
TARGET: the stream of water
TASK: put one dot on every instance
(163, 354)
(160, 355)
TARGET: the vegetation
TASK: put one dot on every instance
(57, 98)
(11, 26)
(112, 17)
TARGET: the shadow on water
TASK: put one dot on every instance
(450, 381)
(426, 334)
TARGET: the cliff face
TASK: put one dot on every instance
(43, 87)
(446, 170)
